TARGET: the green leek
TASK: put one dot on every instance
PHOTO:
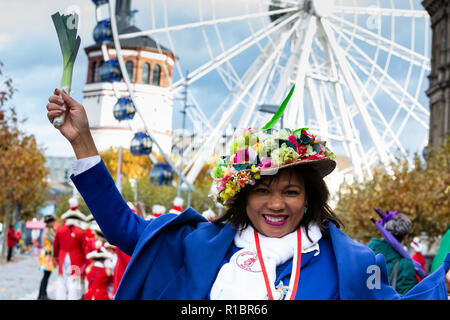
(66, 27)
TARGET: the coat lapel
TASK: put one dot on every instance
(204, 249)
(134, 276)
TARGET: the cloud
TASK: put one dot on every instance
(4, 39)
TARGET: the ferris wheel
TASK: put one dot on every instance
(359, 69)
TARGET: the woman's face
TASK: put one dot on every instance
(275, 208)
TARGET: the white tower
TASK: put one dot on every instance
(149, 68)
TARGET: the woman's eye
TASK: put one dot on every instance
(292, 193)
(261, 190)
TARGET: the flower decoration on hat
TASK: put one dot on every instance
(255, 152)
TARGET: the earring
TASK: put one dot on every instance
(306, 208)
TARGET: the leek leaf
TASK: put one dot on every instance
(279, 113)
(70, 44)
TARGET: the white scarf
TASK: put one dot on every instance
(242, 279)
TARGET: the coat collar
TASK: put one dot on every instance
(204, 249)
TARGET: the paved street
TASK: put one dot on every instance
(20, 279)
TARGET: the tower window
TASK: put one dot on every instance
(146, 73)
(130, 66)
(156, 75)
(94, 70)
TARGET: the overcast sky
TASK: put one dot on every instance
(31, 54)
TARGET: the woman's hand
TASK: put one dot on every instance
(76, 125)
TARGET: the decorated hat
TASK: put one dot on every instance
(73, 203)
(90, 218)
(158, 210)
(255, 152)
(177, 205)
(74, 215)
(99, 254)
(49, 218)
(96, 229)
(416, 245)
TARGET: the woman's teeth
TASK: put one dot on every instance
(275, 219)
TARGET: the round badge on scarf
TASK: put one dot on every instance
(248, 261)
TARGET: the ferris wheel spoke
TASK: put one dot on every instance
(391, 87)
(383, 43)
(345, 70)
(201, 114)
(381, 11)
(295, 115)
(255, 71)
(206, 23)
(343, 123)
(256, 92)
(319, 113)
(286, 72)
(386, 127)
(231, 74)
(270, 79)
(233, 51)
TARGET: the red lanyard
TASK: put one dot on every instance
(297, 267)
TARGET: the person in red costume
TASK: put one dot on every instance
(417, 253)
(122, 260)
(11, 242)
(98, 275)
(69, 252)
(90, 235)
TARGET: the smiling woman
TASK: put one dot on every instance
(278, 226)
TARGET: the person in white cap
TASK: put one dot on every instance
(417, 247)
(177, 205)
(99, 275)
(73, 215)
(69, 252)
(122, 259)
(157, 210)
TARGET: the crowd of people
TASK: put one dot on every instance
(88, 267)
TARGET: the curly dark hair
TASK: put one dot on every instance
(317, 194)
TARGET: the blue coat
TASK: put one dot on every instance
(179, 256)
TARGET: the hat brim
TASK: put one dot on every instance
(73, 214)
(99, 255)
(323, 166)
(49, 219)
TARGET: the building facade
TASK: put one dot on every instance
(439, 78)
(149, 67)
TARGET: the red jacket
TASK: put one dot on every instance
(122, 262)
(72, 241)
(98, 284)
(417, 256)
(11, 238)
